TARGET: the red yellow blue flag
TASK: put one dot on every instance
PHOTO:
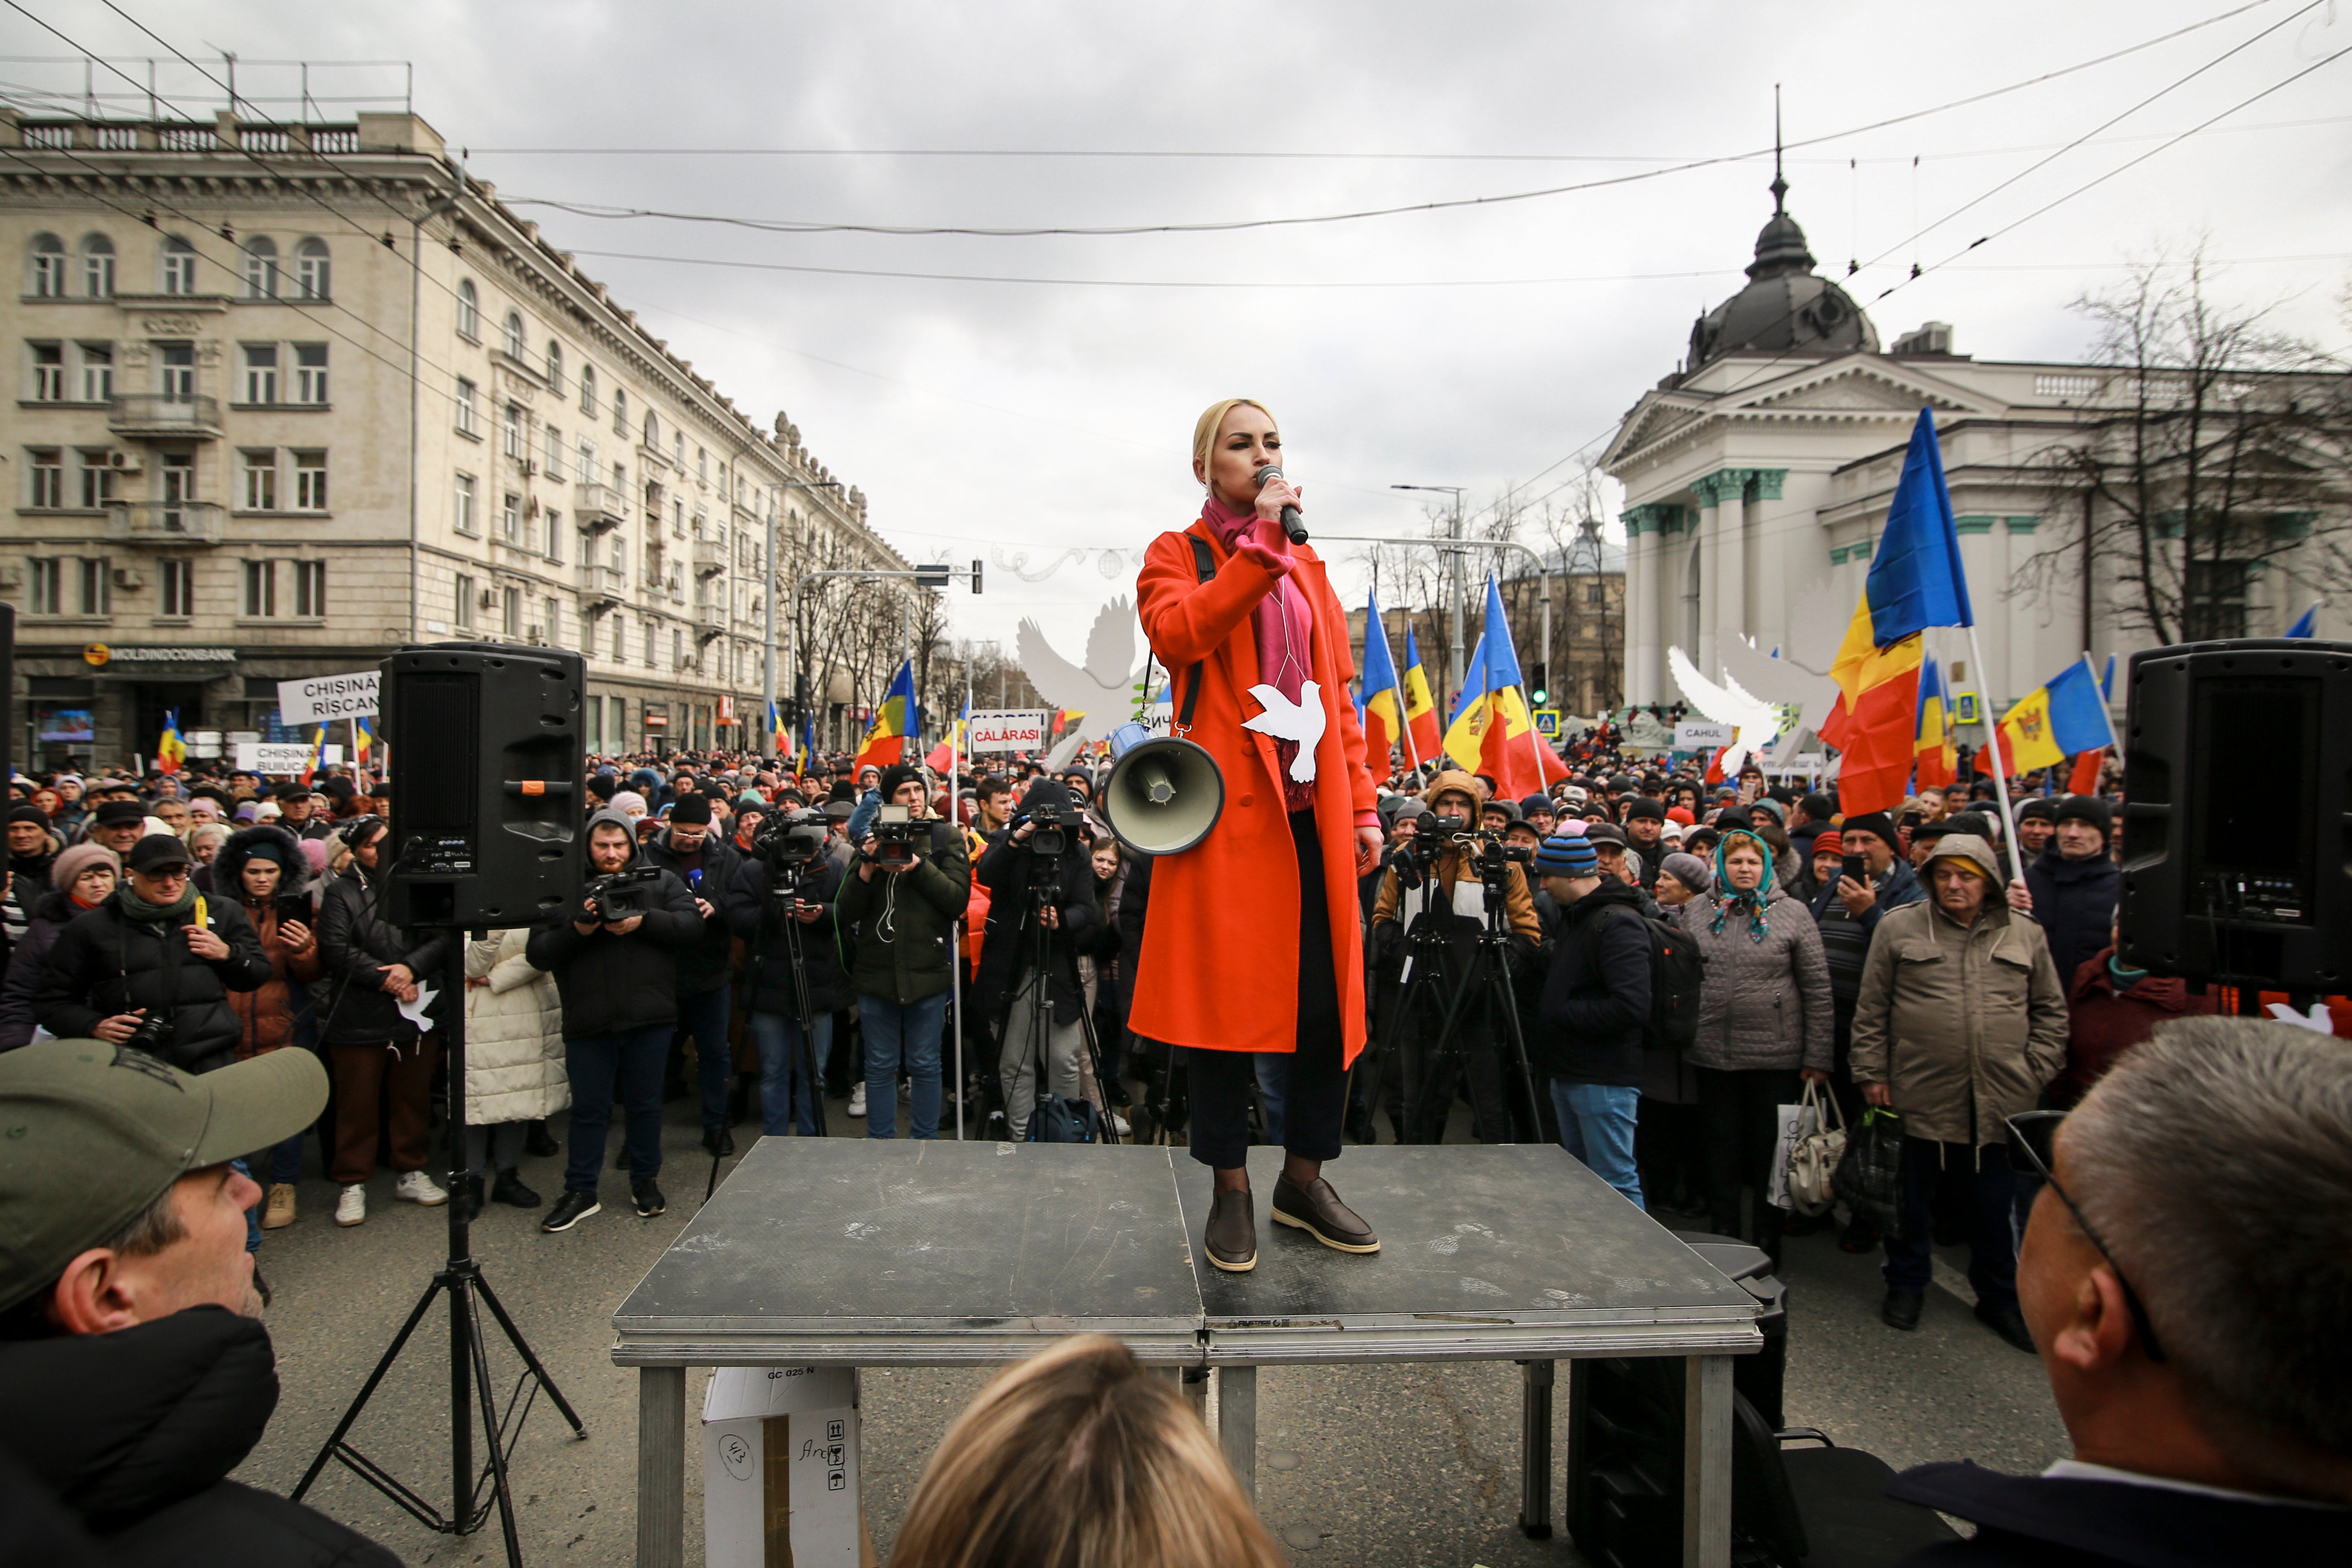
(894, 722)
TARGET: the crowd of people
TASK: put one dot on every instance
(797, 936)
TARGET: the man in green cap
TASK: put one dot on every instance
(129, 1313)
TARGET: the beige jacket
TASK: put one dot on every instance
(514, 1035)
(1966, 1023)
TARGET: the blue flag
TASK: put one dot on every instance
(2308, 626)
(1916, 578)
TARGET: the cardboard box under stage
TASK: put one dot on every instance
(858, 1252)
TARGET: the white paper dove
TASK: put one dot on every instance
(2319, 1022)
(1285, 721)
(415, 1011)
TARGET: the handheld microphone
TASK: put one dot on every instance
(1290, 523)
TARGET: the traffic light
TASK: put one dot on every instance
(1541, 697)
(935, 577)
(975, 574)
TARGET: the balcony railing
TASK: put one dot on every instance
(155, 415)
(710, 558)
(601, 584)
(165, 521)
(598, 507)
(711, 616)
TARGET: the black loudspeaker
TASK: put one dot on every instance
(2237, 829)
(486, 782)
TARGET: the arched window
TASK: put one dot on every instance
(470, 310)
(179, 265)
(261, 267)
(620, 412)
(653, 431)
(97, 267)
(514, 336)
(555, 366)
(48, 267)
(311, 275)
(588, 389)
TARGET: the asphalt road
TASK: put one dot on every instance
(1376, 1464)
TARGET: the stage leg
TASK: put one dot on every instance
(1579, 1391)
(1237, 1422)
(1706, 1462)
(661, 1467)
(1535, 1448)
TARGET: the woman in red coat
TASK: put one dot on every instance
(1251, 941)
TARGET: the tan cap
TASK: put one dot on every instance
(90, 1134)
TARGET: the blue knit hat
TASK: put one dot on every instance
(1567, 855)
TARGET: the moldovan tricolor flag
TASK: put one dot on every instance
(1915, 582)
(1420, 708)
(780, 734)
(944, 754)
(169, 750)
(1490, 730)
(318, 754)
(894, 721)
(1936, 760)
(2054, 722)
(1384, 694)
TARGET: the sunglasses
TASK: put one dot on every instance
(2034, 1134)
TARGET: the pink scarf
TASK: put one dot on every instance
(1281, 626)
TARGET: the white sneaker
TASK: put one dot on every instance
(417, 1187)
(1118, 1124)
(352, 1207)
(857, 1097)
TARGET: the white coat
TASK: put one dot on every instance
(514, 1035)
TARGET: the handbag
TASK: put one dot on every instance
(1813, 1158)
(1869, 1176)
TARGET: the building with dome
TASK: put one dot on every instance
(1759, 473)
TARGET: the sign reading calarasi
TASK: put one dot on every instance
(1006, 732)
(320, 698)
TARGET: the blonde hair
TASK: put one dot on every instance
(1079, 1458)
(1205, 432)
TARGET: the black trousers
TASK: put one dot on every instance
(1314, 1104)
(1740, 1115)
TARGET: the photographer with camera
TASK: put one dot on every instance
(781, 903)
(380, 1056)
(1435, 889)
(153, 965)
(1041, 898)
(706, 863)
(615, 962)
(907, 889)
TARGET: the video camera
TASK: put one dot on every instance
(894, 835)
(1052, 822)
(790, 841)
(624, 895)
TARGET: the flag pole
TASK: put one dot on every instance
(2000, 772)
(956, 740)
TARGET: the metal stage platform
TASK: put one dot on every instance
(869, 1252)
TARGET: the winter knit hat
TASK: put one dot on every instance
(1690, 871)
(1828, 841)
(1567, 855)
(2088, 808)
(71, 863)
(627, 798)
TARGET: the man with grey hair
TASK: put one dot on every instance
(2187, 1277)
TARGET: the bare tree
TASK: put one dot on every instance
(2212, 449)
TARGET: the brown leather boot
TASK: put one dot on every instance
(1231, 1239)
(1316, 1210)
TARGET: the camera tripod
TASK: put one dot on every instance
(1486, 984)
(469, 1362)
(1039, 975)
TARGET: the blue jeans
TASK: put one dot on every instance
(1596, 1125)
(1273, 1070)
(704, 1017)
(634, 1059)
(786, 1093)
(1992, 1245)
(908, 1031)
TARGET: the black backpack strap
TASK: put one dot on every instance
(1205, 567)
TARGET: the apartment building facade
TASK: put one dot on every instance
(295, 396)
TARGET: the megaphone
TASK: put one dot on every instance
(1164, 793)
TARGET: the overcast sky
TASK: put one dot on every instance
(1476, 347)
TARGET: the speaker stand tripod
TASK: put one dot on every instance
(469, 1364)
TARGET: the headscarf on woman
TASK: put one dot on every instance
(1728, 898)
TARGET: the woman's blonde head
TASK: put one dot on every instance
(1205, 432)
(1079, 1458)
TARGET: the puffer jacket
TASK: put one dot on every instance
(905, 921)
(52, 912)
(708, 964)
(514, 1033)
(356, 945)
(1765, 1005)
(272, 1010)
(2075, 904)
(106, 964)
(1966, 1023)
(134, 1433)
(611, 983)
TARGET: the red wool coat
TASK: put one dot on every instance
(1219, 967)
